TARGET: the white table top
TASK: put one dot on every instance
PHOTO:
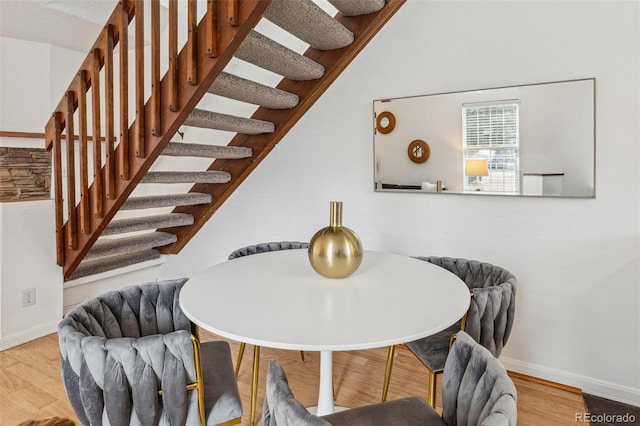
(277, 300)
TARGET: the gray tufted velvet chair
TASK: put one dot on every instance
(247, 251)
(130, 357)
(489, 319)
(266, 247)
(476, 391)
(282, 409)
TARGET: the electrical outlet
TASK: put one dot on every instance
(28, 297)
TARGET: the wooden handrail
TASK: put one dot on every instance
(26, 135)
(34, 135)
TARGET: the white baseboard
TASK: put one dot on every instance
(25, 336)
(77, 291)
(601, 388)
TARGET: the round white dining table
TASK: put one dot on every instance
(277, 300)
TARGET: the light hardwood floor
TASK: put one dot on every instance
(31, 387)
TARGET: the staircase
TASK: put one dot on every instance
(102, 222)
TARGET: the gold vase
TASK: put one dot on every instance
(335, 251)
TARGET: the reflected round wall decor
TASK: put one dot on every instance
(419, 151)
(385, 122)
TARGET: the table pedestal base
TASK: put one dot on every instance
(325, 392)
(314, 410)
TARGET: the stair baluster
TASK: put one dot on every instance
(124, 92)
(192, 42)
(84, 211)
(140, 113)
(173, 55)
(98, 190)
(57, 184)
(212, 28)
(72, 228)
(110, 167)
(155, 69)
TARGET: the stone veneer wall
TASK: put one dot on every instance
(25, 173)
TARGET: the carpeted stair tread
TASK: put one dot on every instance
(238, 88)
(112, 246)
(307, 21)
(186, 177)
(143, 223)
(357, 7)
(181, 149)
(153, 201)
(104, 264)
(270, 55)
(231, 123)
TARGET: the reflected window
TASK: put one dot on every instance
(491, 141)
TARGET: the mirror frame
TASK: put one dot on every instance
(416, 188)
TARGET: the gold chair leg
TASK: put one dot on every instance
(240, 354)
(254, 382)
(302, 356)
(387, 372)
(432, 389)
(199, 382)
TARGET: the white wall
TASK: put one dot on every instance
(24, 75)
(27, 245)
(577, 261)
(27, 251)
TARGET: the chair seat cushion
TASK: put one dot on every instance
(406, 411)
(221, 396)
(433, 350)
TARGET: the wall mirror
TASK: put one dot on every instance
(531, 140)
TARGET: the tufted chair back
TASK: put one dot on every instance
(492, 310)
(120, 349)
(476, 389)
(135, 311)
(265, 247)
(282, 409)
(280, 406)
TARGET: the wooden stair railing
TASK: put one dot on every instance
(210, 46)
(123, 146)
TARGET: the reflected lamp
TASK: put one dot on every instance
(476, 167)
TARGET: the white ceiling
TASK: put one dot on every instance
(43, 21)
